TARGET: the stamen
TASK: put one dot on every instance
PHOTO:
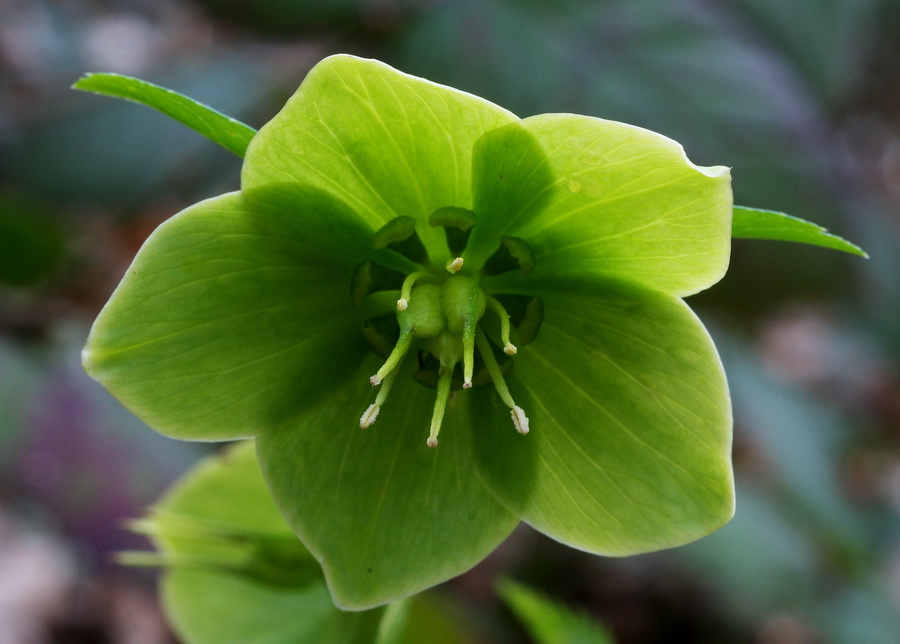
(369, 416)
(455, 264)
(400, 349)
(520, 420)
(508, 347)
(371, 413)
(468, 353)
(440, 403)
(406, 289)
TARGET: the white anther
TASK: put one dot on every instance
(375, 380)
(510, 349)
(520, 420)
(467, 384)
(455, 265)
(369, 416)
(402, 304)
(431, 442)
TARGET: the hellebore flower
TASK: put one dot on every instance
(490, 275)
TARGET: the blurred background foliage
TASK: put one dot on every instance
(801, 99)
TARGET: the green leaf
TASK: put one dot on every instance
(234, 316)
(550, 622)
(754, 223)
(230, 133)
(226, 501)
(431, 617)
(630, 442)
(386, 143)
(385, 515)
(605, 199)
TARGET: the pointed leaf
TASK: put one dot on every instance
(603, 199)
(753, 223)
(550, 622)
(386, 143)
(629, 449)
(386, 515)
(234, 316)
(230, 133)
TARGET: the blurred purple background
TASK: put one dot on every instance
(801, 99)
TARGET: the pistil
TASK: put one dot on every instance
(439, 315)
(508, 347)
(405, 290)
(400, 349)
(440, 404)
(446, 347)
(463, 304)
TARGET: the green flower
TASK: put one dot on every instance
(490, 275)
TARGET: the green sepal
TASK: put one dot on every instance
(597, 199)
(630, 441)
(234, 316)
(386, 516)
(387, 143)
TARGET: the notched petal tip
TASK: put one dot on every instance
(86, 359)
(714, 171)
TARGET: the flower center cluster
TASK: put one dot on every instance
(459, 333)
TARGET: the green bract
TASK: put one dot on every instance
(235, 573)
(396, 232)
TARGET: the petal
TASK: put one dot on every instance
(629, 449)
(600, 198)
(220, 518)
(234, 315)
(386, 516)
(386, 143)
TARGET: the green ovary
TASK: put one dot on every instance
(438, 313)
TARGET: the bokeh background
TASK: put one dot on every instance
(801, 99)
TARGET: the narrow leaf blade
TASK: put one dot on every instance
(754, 223)
(224, 130)
(548, 621)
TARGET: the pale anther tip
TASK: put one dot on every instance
(375, 380)
(520, 420)
(431, 442)
(369, 416)
(402, 304)
(455, 265)
(467, 384)
(510, 349)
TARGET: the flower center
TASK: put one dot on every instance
(441, 314)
